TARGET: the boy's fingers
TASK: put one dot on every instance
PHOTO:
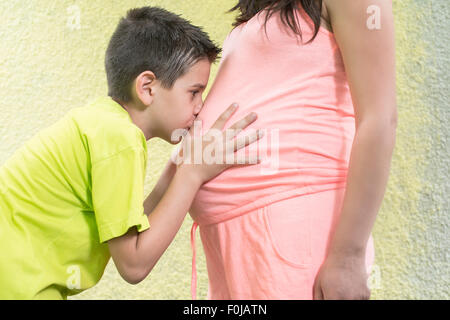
(223, 118)
(242, 142)
(242, 124)
(248, 161)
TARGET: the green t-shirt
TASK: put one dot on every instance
(67, 191)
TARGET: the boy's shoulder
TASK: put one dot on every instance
(103, 114)
(107, 126)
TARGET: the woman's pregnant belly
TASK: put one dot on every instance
(305, 150)
(303, 101)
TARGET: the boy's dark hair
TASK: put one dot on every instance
(154, 39)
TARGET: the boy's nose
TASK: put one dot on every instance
(198, 109)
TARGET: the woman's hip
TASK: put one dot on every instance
(295, 231)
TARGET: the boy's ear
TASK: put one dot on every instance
(145, 84)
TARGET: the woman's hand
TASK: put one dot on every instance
(342, 278)
(207, 156)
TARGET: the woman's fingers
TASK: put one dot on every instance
(317, 290)
(223, 118)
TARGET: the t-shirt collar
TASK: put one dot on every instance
(110, 104)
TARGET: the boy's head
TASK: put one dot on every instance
(154, 61)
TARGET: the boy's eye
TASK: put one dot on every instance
(194, 93)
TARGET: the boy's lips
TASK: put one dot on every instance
(191, 124)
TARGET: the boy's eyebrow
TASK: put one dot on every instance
(199, 85)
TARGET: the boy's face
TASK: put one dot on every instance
(178, 107)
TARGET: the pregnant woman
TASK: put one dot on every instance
(321, 77)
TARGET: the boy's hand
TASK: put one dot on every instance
(220, 147)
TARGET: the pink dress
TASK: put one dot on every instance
(265, 228)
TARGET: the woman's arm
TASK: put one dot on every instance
(364, 30)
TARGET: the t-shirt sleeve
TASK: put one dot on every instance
(118, 193)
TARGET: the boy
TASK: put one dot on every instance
(72, 196)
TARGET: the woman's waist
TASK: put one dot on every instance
(239, 190)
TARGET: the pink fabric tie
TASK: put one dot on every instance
(194, 268)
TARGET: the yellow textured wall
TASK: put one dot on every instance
(51, 60)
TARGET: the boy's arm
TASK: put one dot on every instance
(135, 254)
(165, 220)
(160, 188)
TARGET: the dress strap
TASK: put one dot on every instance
(194, 267)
